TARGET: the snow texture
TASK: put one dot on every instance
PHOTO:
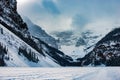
(108, 73)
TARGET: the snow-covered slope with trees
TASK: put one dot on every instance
(17, 53)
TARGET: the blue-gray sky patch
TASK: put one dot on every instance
(50, 7)
(79, 22)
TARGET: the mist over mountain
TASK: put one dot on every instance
(38, 32)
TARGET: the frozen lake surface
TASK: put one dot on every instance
(86, 73)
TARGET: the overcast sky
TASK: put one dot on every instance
(53, 15)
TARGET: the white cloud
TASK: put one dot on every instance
(103, 25)
(99, 17)
(54, 24)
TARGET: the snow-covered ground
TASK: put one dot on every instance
(86, 73)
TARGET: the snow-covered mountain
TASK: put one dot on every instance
(66, 42)
(22, 47)
(32, 48)
(77, 44)
(106, 51)
(38, 32)
(65, 37)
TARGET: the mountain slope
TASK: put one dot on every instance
(38, 32)
(17, 52)
(106, 51)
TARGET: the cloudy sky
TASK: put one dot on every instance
(53, 15)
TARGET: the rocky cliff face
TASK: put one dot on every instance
(10, 17)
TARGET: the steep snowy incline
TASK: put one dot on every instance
(14, 59)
